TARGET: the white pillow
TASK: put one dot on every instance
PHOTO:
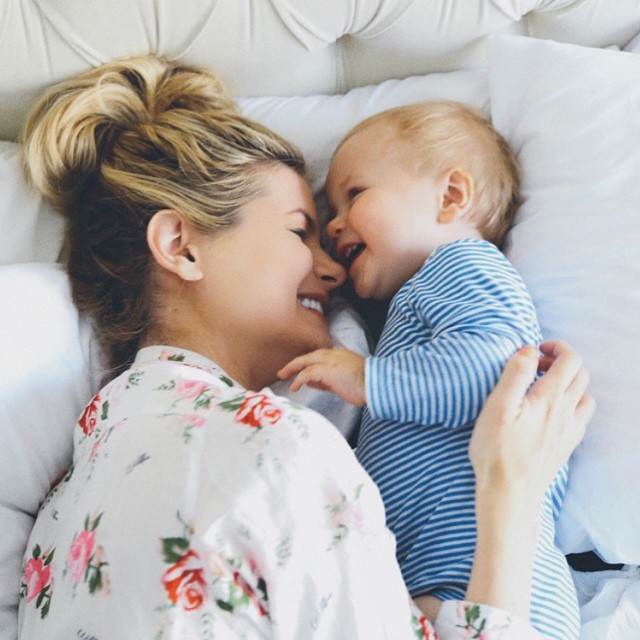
(634, 45)
(48, 372)
(573, 116)
(31, 231)
(317, 123)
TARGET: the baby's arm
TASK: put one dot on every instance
(338, 370)
(347, 330)
(448, 335)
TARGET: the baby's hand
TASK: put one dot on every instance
(338, 370)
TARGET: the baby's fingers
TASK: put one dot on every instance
(311, 376)
(301, 362)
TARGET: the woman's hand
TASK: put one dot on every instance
(524, 435)
(521, 439)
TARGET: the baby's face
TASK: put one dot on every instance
(384, 214)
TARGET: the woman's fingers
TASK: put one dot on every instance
(566, 379)
(527, 432)
(585, 409)
(518, 374)
(563, 391)
(561, 363)
(578, 386)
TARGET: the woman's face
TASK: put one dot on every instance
(268, 280)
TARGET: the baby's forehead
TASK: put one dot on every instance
(373, 142)
(383, 126)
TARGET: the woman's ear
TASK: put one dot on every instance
(458, 191)
(171, 238)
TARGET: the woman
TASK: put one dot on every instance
(197, 507)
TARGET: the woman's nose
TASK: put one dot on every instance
(328, 270)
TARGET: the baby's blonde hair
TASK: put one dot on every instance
(446, 135)
(116, 144)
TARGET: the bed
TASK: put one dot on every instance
(559, 78)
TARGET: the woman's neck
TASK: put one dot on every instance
(239, 358)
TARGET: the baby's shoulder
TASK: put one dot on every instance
(467, 250)
(465, 260)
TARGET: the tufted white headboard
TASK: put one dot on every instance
(282, 47)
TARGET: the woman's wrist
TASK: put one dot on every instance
(507, 538)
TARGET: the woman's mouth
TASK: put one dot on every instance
(312, 304)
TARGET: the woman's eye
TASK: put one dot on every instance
(301, 233)
(354, 192)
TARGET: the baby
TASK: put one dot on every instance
(422, 197)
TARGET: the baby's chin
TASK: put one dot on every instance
(363, 291)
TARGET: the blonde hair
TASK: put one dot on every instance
(446, 135)
(114, 145)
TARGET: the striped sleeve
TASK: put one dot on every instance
(462, 316)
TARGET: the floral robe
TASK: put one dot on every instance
(197, 509)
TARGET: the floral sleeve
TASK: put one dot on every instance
(471, 621)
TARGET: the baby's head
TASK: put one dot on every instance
(412, 178)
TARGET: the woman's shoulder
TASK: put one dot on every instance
(286, 436)
(280, 419)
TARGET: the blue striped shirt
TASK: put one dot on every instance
(449, 331)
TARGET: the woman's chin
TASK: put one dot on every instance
(324, 341)
(315, 340)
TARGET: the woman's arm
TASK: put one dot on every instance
(522, 438)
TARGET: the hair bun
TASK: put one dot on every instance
(75, 126)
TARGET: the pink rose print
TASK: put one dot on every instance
(80, 554)
(85, 560)
(185, 583)
(349, 516)
(345, 514)
(36, 580)
(194, 421)
(36, 577)
(258, 410)
(170, 354)
(96, 447)
(191, 422)
(188, 389)
(89, 418)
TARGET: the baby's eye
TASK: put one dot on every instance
(354, 192)
(303, 234)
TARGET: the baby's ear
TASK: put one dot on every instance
(171, 242)
(457, 195)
